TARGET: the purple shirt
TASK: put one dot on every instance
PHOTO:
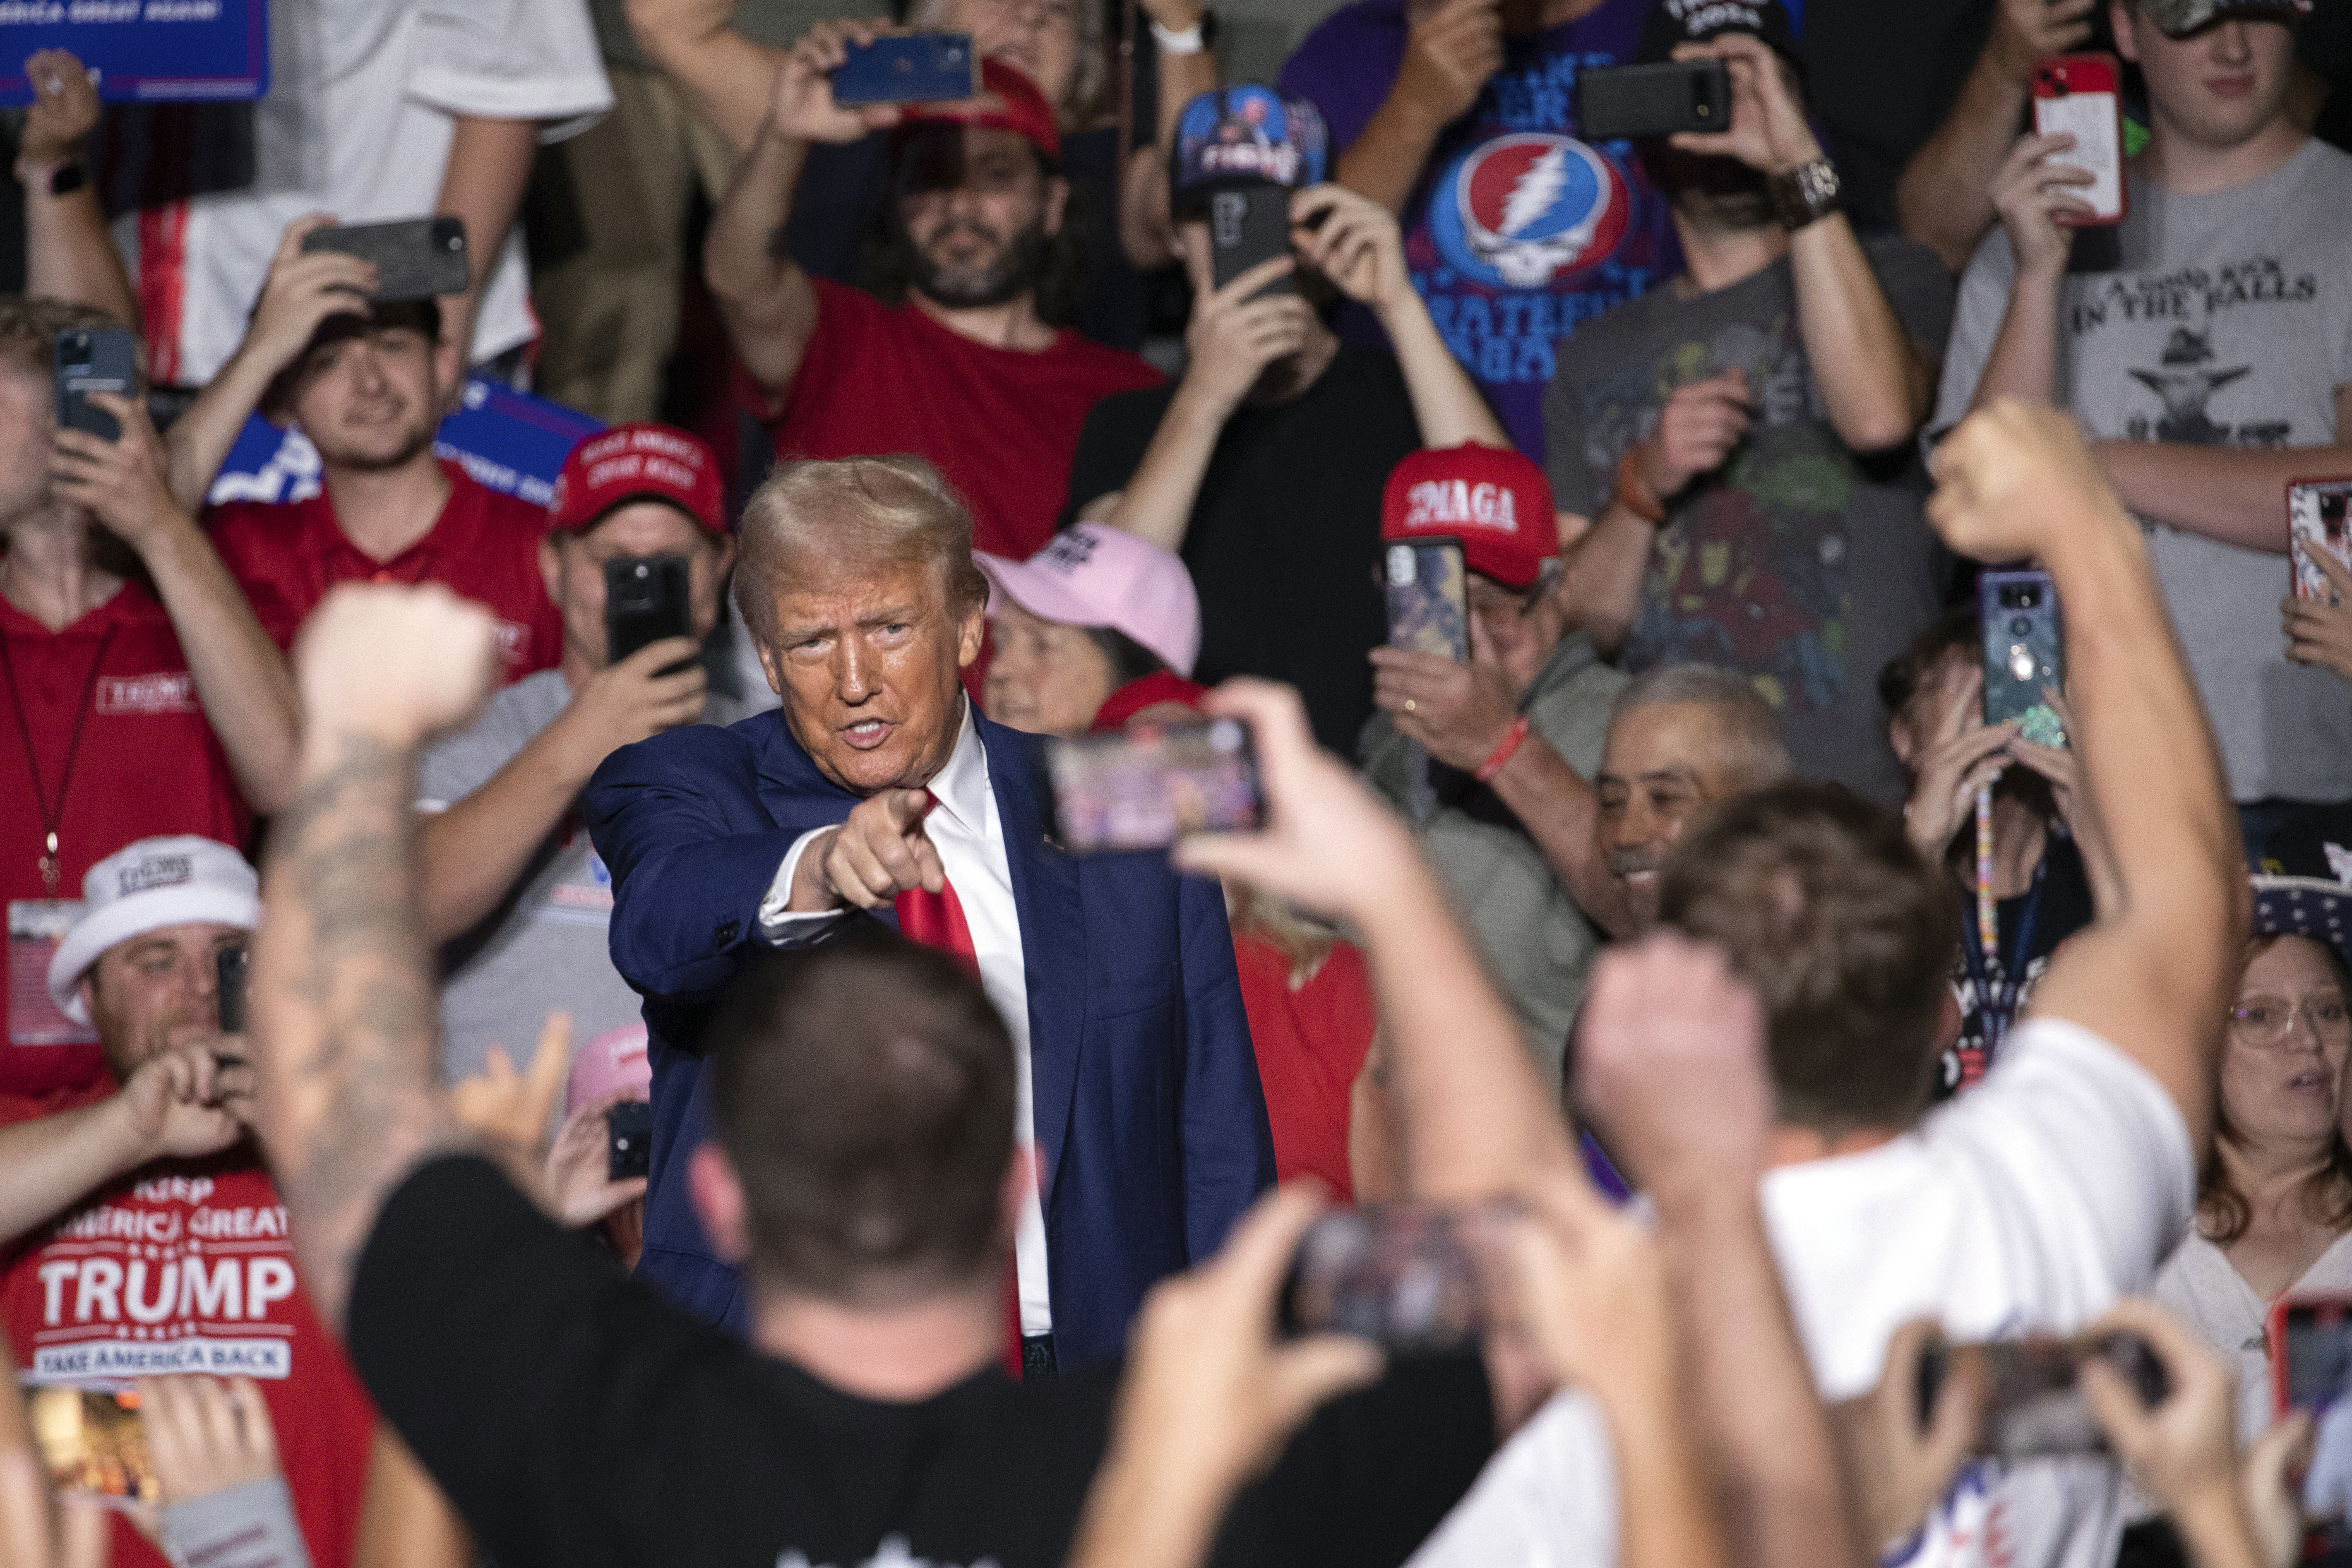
(1516, 231)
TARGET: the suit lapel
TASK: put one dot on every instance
(797, 797)
(1052, 936)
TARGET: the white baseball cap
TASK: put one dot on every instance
(179, 881)
(1096, 575)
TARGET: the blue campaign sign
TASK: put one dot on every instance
(508, 441)
(143, 51)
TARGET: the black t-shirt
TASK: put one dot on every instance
(575, 1418)
(1284, 541)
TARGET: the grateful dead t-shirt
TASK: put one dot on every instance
(2227, 323)
(1799, 564)
(1516, 232)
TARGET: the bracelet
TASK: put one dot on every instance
(1191, 41)
(1635, 492)
(1504, 749)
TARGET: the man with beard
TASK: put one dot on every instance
(963, 359)
(1264, 467)
(1740, 436)
(367, 384)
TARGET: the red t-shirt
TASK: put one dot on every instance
(148, 763)
(484, 545)
(1310, 1045)
(183, 1266)
(1001, 423)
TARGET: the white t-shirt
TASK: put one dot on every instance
(1547, 1500)
(358, 122)
(2029, 1204)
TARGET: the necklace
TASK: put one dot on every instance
(52, 869)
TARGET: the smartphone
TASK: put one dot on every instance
(2031, 1406)
(1404, 1274)
(1247, 225)
(2025, 652)
(908, 68)
(645, 601)
(2315, 515)
(415, 258)
(630, 1127)
(103, 359)
(2310, 1344)
(1617, 102)
(1429, 598)
(1148, 785)
(2079, 95)
(229, 969)
(93, 1444)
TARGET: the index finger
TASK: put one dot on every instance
(2335, 571)
(1249, 282)
(290, 244)
(1277, 722)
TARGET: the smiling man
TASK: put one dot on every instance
(963, 358)
(878, 792)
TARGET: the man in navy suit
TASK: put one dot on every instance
(878, 788)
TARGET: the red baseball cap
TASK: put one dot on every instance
(638, 462)
(1008, 100)
(1493, 500)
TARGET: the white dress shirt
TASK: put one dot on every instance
(969, 835)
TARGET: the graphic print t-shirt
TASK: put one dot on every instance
(1798, 564)
(1518, 232)
(2228, 324)
(184, 1266)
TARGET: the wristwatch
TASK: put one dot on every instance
(1806, 194)
(1202, 35)
(62, 178)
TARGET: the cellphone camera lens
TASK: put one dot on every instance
(2021, 627)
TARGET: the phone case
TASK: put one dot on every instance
(910, 68)
(1429, 598)
(1248, 225)
(1145, 787)
(104, 359)
(2081, 96)
(2309, 1339)
(415, 258)
(2315, 515)
(645, 601)
(2025, 652)
(1618, 102)
(1402, 1274)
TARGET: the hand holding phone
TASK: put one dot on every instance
(2024, 653)
(907, 68)
(1405, 1275)
(1428, 585)
(629, 1128)
(647, 598)
(2032, 1404)
(415, 258)
(1621, 102)
(1146, 786)
(2079, 96)
(1249, 224)
(94, 359)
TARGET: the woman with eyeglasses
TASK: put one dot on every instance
(2274, 1200)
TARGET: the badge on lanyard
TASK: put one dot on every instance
(35, 926)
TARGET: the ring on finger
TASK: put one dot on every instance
(1410, 706)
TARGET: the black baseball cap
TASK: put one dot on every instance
(1674, 23)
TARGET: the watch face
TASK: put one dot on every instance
(65, 179)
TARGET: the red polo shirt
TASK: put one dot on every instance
(184, 1266)
(147, 763)
(1310, 1044)
(1001, 423)
(484, 545)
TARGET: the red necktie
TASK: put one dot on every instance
(936, 920)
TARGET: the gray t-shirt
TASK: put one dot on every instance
(1797, 563)
(544, 948)
(2229, 324)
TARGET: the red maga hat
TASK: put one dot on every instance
(638, 462)
(1008, 100)
(1493, 500)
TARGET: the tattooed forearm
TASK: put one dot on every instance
(343, 994)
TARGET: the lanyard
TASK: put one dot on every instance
(52, 871)
(1999, 1003)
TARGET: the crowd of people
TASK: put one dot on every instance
(565, 1025)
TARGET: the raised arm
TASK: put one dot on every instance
(1146, 233)
(490, 165)
(1671, 1069)
(1360, 249)
(1875, 385)
(299, 293)
(1943, 199)
(723, 76)
(2029, 192)
(241, 678)
(767, 301)
(2154, 974)
(1448, 57)
(346, 1012)
(68, 252)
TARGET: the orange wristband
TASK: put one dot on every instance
(1504, 749)
(1635, 492)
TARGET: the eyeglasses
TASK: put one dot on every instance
(2267, 1021)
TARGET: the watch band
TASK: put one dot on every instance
(1192, 40)
(68, 177)
(1806, 194)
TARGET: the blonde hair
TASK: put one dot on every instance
(1306, 943)
(864, 512)
(1081, 104)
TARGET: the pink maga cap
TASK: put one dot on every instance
(614, 1059)
(1094, 575)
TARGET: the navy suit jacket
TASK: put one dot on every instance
(1151, 1126)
